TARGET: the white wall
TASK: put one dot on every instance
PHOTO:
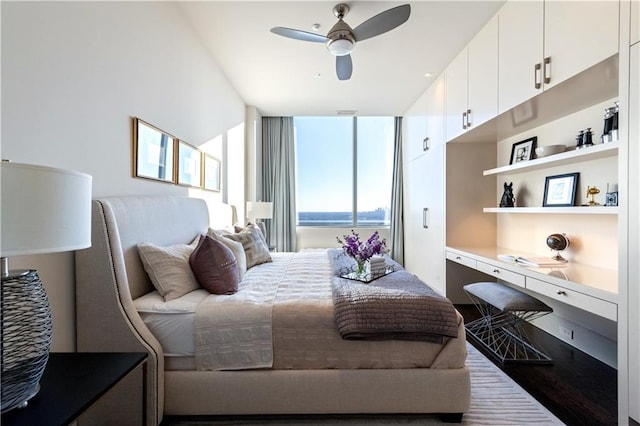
(73, 75)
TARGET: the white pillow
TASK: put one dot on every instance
(168, 268)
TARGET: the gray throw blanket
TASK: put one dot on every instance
(397, 306)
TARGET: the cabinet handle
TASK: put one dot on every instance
(425, 144)
(537, 68)
(425, 218)
(561, 293)
(547, 70)
(468, 118)
(464, 120)
(458, 258)
(496, 271)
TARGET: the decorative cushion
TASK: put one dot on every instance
(235, 246)
(254, 244)
(168, 268)
(215, 266)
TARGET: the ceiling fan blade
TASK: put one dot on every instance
(344, 67)
(382, 22)
(299, 35)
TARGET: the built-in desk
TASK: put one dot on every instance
(586, 287)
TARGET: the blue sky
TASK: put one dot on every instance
(325, 163)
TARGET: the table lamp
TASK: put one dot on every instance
(42, 210)
(257, 210)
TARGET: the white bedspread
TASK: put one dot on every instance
(234, 332)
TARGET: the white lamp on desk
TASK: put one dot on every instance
(258, 210)
(43, 210)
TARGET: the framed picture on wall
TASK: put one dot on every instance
(523, 151)
(560, 190)
(153, 152)
(189, 165)
(211, 175)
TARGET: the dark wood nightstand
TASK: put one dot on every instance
(71, 383)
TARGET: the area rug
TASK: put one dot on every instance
(496, 400)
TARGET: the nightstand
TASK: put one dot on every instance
(71, 383)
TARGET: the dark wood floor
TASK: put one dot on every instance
(577, 388)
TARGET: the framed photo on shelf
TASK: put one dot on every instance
(189, 165)
(211, 176)
(523, 151)
(153, 152)
(560, 190)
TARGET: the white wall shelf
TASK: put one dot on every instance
(592, 153)
(554, 210)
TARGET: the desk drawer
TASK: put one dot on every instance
(463, 260)
(579, 300)
(501, 273)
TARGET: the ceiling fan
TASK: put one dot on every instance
(341, 39)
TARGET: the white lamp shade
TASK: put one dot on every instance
(259, 210)
(43, 209)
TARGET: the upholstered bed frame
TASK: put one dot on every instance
(109, 276)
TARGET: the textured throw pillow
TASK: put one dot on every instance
(235, 247)
(168, 268)
(215, 266)
(255, 247)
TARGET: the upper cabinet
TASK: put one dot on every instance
(415, 128)
(635, 21)
(435, 113)
(472, 83)
(542, 44)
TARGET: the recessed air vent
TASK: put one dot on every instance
(346, 112)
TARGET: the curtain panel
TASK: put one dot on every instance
(397, 215)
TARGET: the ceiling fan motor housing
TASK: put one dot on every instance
(341, 41)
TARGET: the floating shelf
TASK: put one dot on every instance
(554, 210)
(592, 153)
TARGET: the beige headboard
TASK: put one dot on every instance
(109, 275)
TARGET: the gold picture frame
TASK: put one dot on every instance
(211, 173)
(153, 152)
(189, 168)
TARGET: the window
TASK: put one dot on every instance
(344, 170)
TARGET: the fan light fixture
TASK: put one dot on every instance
(340, 47)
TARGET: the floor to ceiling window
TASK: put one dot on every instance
(344, 170)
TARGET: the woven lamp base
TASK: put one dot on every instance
(26, 337)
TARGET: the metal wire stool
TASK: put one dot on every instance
(504, 310)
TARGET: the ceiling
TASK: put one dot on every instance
(286, 77)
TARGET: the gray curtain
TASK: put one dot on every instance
(397, 222)
(278, 180)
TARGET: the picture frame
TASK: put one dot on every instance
(153, 152)
(523, 151)
(189, 167)
(211, 173)
(560, 190)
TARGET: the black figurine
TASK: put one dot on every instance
(508, 200)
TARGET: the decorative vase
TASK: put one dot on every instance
(361, 267)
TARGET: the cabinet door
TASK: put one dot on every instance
(435, 113)
(578, 35)
(424, 237)
(415, 126)
(634, 234)
(456, 95)
(483, 75)
(520, 50)
(635, 21)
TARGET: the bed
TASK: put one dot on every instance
(293, 358)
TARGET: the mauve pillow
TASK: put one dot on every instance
(214, 266)
(235, 247)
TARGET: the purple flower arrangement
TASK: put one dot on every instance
(362, 251)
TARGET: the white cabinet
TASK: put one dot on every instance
(635, 21)
(415, 128)
(472, 83)
(634, 235)
(543, 44)
(424, 195)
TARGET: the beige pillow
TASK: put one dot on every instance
(215, 266)
(236, 248)
(255, 247)
(168, 268)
